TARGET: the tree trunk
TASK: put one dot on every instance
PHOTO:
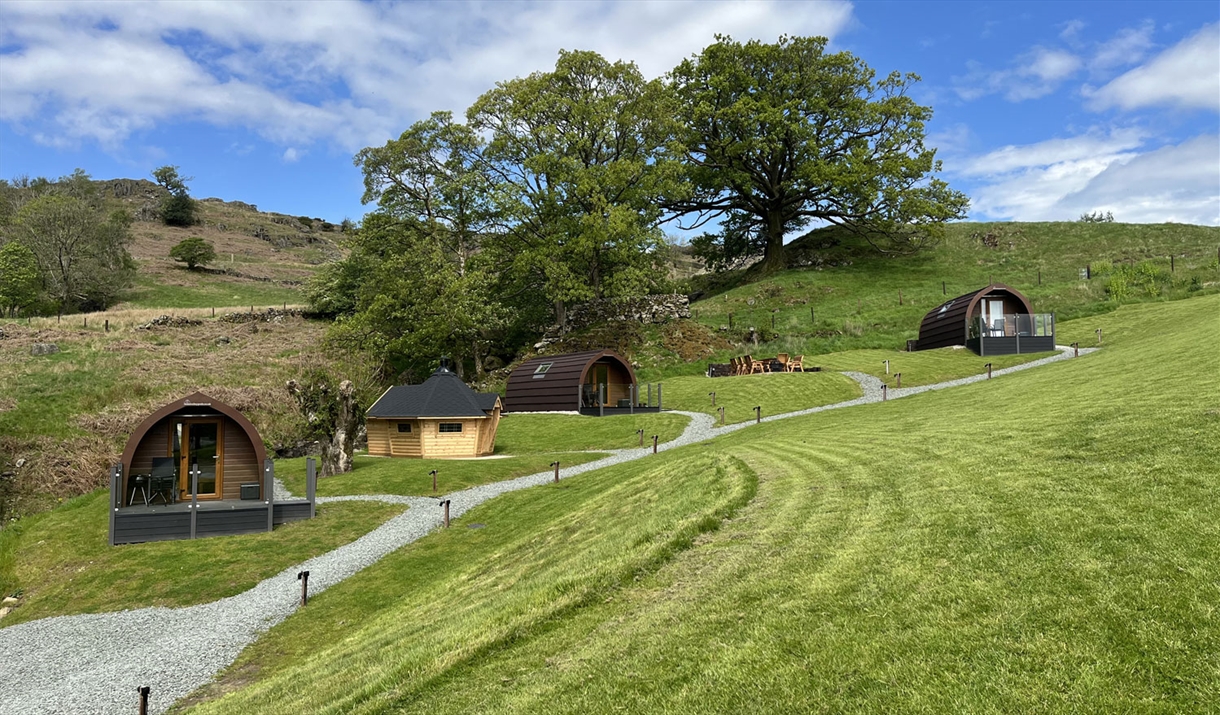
(337, 454)
(773, 255)
(561, 316)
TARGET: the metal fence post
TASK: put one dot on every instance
(269, 491)
(311, 485)
(659, 406)
(116, 496)
(194, 474)
(631, 395)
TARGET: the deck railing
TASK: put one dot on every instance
(1036, 325)
(610, 395)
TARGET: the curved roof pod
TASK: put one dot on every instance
(195, 401)
(949, 323)
(552, 383)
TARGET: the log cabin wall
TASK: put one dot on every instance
(435, 443)
(379, 437)
(404, 444)
(487, 433)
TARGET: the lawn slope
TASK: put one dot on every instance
(1042, 542)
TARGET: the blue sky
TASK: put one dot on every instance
(1043, 111)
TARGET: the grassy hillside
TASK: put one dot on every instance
(68, 414)
(1044, 542)
(846, 297)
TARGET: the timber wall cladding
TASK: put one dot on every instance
(450, 444)
(379, 437)
(154, 444)
(404, 444)
(240, 465)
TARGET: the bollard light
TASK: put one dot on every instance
(713, 396)
(445, 506)
(654, 444)
(433, 473)
(556, 466)
(988, 371)
(758, 414)
(303, 577)
(143, 690)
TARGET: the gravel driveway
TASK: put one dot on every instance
(93, 663)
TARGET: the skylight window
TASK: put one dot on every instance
(541, 370)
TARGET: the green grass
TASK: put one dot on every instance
(62, 562)
(1043, 542)
(855, 303)
(924, 367)
(49, 388)
(389, 475)
(526, 434)
(209, 291)
(775, 393)
(542, 554)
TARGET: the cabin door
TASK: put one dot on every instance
(601, 376)
(995, 317)
(201, 449)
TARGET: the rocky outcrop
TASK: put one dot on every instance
(44, 349)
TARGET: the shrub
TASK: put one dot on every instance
(193, 251)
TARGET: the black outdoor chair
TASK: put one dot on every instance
(139, 483)
(163, 481)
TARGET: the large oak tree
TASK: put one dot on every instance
(577, 156)
(775, 136)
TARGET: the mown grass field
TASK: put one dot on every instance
(410, 477)
(62, 563)
(775, 393)
(534, 434)
(1043, 542)
(923, 367)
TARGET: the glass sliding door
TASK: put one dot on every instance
(202, 450)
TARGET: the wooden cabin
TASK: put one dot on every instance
(442, 417)
(197, 467)
(197, 430)
(593, 382)
(995, 320)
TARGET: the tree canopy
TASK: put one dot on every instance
(178, 208)
(775, 136)
(577, 158)
(193, 251)
(19, 278)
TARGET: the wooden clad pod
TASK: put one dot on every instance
(949, 323)
(557, 387)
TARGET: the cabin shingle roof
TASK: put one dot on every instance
(442, 395)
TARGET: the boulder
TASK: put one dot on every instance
(44, 349)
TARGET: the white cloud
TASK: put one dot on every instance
(1036, 73)
(1059, 179)
(349, 72)
(1179, 183)
(1127, 47)
(291, 155)
(1186, 75)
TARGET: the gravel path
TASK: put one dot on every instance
(93, 663)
